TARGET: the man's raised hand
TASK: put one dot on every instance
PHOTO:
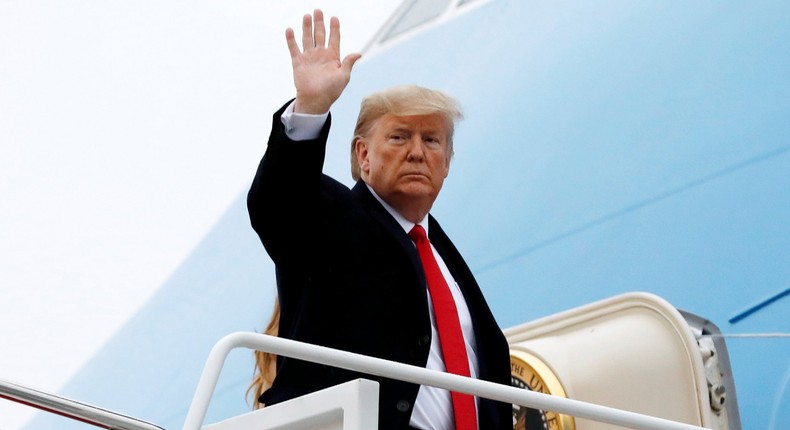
(319, 75)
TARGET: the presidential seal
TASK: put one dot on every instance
(531, 373)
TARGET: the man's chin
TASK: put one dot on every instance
(417, 190)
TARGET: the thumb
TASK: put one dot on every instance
(348, 62)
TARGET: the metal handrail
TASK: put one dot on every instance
(71, 409)
(408, 373)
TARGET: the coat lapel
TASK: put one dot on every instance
(380, 214)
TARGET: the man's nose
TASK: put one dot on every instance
(416, 150)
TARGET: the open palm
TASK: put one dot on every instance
(319, 75)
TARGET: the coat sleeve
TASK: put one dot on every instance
(284, 199)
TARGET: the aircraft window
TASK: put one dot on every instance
(417, 13)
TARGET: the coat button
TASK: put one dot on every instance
(424, 340)
(402, 405)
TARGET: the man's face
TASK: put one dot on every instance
(405, 160)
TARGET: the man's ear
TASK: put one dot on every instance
(361, 146)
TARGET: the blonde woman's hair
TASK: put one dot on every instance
(407, 100)
(265, 363)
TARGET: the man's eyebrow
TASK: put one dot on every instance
(402, 127)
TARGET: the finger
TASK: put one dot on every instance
(320, 29)
(349, 61)
(334, 33)
(307, 32)
(290, 39)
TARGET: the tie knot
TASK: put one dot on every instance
(417, 234)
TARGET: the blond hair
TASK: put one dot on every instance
(407, 100)
(265, 363)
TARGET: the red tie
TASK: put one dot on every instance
(450, 336)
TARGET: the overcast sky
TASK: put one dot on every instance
(126, 130)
